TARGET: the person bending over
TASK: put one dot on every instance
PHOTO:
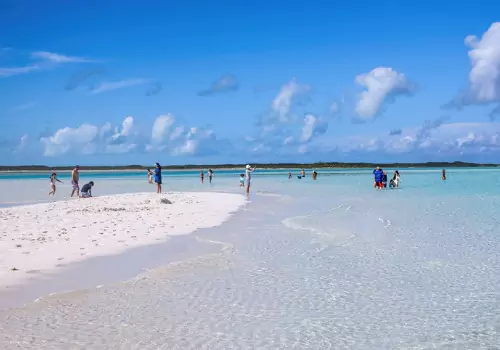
(86, 191)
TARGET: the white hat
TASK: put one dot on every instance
(248, 166)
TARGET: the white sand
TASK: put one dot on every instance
(37, 238)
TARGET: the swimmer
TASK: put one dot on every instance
(443, 175)
(53, 180)
(289, 175)
(242, 180)
(202, 176)
(303, 173)
(314, 174)
(210, 175)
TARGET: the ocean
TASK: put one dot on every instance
(322, 264)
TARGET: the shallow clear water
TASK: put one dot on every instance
(321, 264)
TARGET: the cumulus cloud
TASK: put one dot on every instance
(484, 76)
(120, 136)
(68, 139)
(382, 85)
(286, 97)
(114, 85)
(226, 83)
(434, 140)
(90, 139)
(169, 136)
(161, 127)
(313, 126)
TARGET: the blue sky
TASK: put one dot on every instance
(199, 82)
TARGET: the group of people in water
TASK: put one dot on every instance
(380, 180)
(154, 176)
(245, 178)
(303, 174)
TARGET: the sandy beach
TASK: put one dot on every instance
(37, 239)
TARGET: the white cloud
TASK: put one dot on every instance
(114, 85)
(57, 58)
(484, 77)
(11, 71)
(431, 139)
(382, 85)
(90, 139)
(284, 100)
(313, 126)
(121, 136)
(22, 144)
(69, 139)
(161, 127)
(197, 142)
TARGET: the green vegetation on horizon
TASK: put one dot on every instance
(317, 165)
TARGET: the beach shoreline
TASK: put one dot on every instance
(37, 240)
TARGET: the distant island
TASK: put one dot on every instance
(318, 165)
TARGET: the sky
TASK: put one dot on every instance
(199, 82)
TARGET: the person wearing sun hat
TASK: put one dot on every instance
(157, 173)
(248, 175)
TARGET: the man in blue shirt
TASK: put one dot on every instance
(379, 175)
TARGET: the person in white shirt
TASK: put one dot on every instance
(248, 175)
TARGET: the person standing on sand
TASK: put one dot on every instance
(248, 174)
(53, 180)
(157, 173)
(75, 178)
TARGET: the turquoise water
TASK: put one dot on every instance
(308, 264)
(218, 173)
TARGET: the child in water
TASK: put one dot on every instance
(242, 180)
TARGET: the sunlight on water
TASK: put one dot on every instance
(321, 264)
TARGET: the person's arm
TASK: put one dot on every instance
(58, 180)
